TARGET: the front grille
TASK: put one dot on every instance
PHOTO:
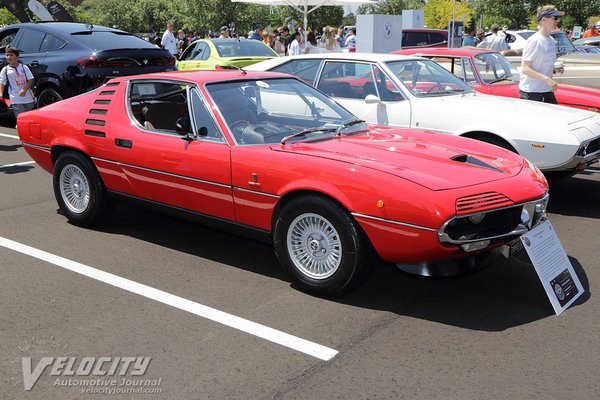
(481, 202)
(494, 223)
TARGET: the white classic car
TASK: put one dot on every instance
(406, 91)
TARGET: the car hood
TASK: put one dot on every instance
(491, 108)
(432, 160)
(581, 58)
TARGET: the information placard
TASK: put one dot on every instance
(552, 266)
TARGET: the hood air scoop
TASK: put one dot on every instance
(467, 159)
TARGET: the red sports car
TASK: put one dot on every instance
(267, 155)
(491, 73)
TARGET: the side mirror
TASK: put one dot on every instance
(183, 127)
(372, 99)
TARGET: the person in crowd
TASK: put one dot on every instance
(258, 30)
(182, 41)
(340, 37)
(328, 42)
(539, 56)
(279, 46)
(168, 40)
(351, 40)
(591, 31)
(268, 39)
(19, 80)
(294, 49)
(285, 32)
(312, 45)
(479, 36)
(302, 39)
(157, 39)
(469, 39)
(493, 41)
(224, 32)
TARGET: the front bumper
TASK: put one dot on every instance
(588, 153)
(481, 230)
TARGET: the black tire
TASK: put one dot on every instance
(79, 190)
(48, 96)
(321, 246)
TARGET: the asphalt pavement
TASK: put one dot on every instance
(201, 314)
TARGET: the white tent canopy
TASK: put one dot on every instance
(303, 5)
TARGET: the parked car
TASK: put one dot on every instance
(588, 49)
(69, 58)
(580, 69)
(491, 73)
(224, 54)
(269, 156)
(516, 39)
(588, 41)
(424, 37)
(390, 89)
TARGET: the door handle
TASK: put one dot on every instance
(124, 143)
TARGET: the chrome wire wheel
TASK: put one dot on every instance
(314, 246)
(74, 189)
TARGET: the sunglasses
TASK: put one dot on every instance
(556, 18)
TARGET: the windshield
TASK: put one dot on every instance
(493, 67)
(563, 43)
(267, 111)
(426, 78)
(244, 48)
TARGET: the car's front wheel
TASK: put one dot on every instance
(78, 189)
(321, 246)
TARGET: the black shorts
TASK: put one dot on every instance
(545, 97)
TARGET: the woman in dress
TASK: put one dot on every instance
(311, 46)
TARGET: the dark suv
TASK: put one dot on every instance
(423, 37)
(69, 58)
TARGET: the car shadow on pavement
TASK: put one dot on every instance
(16, 169)
(577, 196)
(12, 147)
(500, 295)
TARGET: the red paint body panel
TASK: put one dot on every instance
(566, 95)
(410, 172)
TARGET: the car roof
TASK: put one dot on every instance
(371, 57)
(438, 51)
(207, 76)
(64, 27)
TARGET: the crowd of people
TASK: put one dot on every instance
(329, 40)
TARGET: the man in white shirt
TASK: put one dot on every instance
(168, 40)
(539, 56)
(294, 49)
(224, 33)
(351, 40)
(494, 41)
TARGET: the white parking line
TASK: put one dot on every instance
(244, 325)
(9, 136)
(16, 164)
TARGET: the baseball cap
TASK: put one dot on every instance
(548, 12)
(258, 26)
(224, 28)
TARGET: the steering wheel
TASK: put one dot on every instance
(437, 86)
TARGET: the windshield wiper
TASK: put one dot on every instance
(307, 131)
(499, 80)
(346, 124)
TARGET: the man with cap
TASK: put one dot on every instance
(494, 41)
(539, 56)
(258, 29)
(224, 33)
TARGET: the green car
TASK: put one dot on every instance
(224, 54)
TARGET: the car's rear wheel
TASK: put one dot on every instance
(321, 246)
(48, 96)
(79, 190)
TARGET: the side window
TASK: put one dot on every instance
(469, 74)
(303, 69)
(417, 39)
(436, 38)
(189, 52)
(7, 38)
(57, 43)
(387, 90)
(158, 105)
(205, 124)
(347, 80)
(204, 52)
(31, 41)
(45, 46)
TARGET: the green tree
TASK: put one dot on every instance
(439, 12)
(391, 7)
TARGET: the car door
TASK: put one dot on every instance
(191, 173)
(195, 58)
(30, 43)
(350, 82)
